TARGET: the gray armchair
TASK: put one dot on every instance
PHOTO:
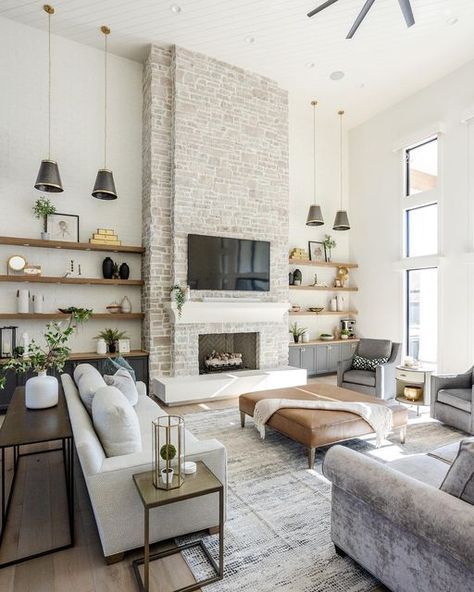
(381, 383)
(452, 400)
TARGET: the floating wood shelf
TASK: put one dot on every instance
(307, 313)
(49, 244)
(41, 279)
(322, 263)
(58, 315)
(78, 356)
(323, 288)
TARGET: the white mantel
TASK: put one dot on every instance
(228, 311)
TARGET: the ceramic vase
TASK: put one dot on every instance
(126, 305)
(23, 301)
(107, 268)
(41, 391)
(101, 347)
(124, 271)
(45, 236)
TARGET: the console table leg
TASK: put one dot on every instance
(403, 434)
(242, 419)
(311, 457)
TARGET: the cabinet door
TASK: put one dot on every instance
(321, 359)
(334, 355)
(348, 350)
(140, 366)
(294, 357)
(308, 360)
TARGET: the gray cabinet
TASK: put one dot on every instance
(320, 358)
(294, 357)
(308, 359)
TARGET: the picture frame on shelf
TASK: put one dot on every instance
(63, 227)
(316, 250)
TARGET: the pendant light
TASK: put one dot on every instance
(104, 187)
(315, 216)
(48, 178)
(341, 221)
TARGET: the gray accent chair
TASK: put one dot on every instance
(381, 383)
(452, 400)
(395, 521)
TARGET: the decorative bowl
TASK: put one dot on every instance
(114, 308)
(326, 337)
(316, 309)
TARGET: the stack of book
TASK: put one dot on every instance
(298, 254)
(105, 236)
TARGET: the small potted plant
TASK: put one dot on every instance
(329, 244)
(345, 334)
(167, 453)
(111, 337)
(42, 208)
(297, 332)
(179, 296)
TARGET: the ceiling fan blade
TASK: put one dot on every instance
(407, 12)
(321, 7)
(362, 14)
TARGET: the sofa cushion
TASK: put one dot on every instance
(361, 363)
(111, 365)
(422, 467)
(365, 377)
(447, 453)
(375, 348)
(459, 398)
(460, 478)
(125, 384)
(88, 381)
(115, 422)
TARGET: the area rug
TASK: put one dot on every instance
(277, 534)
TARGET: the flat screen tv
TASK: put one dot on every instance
(219, 263)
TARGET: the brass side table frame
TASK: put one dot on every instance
(203, 482)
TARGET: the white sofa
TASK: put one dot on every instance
(115, 501)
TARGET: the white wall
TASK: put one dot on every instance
(376, 238)
(77, 144)
(327, 190)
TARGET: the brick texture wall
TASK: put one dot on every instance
(215, 163)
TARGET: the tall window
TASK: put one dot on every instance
(420, 211)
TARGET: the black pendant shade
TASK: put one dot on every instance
(341, 221)
(104, 187)
(315, 216)
(48, 178)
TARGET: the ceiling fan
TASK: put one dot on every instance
(404, 5)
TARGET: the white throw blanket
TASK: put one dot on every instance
(379, 417)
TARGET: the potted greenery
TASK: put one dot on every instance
(111, 336)
(329, 244)
(42, 208)
(167, 453)
(41, 391)
(297, 332)
(179, 296)
(345, 334)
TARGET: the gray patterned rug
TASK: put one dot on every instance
(277, 534)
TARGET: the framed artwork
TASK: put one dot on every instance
(316, 251)
(63, 227)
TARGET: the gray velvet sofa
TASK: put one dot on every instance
(395, 522)
(452, 400)
(381, 382)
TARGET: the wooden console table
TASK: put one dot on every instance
(24, 427)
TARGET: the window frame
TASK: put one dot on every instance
(407, 229)
(407, 152)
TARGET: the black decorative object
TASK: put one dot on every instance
(7, 341)
(290, 279)
(297, 277)
(124, 271)
(115, 272)
(107, 268)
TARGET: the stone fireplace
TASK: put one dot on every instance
(216, 349)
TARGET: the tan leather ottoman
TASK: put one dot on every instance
(316, 428)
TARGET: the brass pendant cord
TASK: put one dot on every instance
(340, 113)
(314, 103)
(49, 84)
(106, 31)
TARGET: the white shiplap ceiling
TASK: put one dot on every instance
(383, 63)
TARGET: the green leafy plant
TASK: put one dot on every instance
(42, 208)
(329, 242)
(345, 332)
(111, 336)
(179, 298)
(297, 332)
(54, 355)
(167, 452)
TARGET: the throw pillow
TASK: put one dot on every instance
(88, 381)
(460, 478)
(115, 422)
(124, 382)
(111, 365)
(360, 363)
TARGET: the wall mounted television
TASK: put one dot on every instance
(221, 263)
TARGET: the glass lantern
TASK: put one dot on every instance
(168, 452)
(7, 341)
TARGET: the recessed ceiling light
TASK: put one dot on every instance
(361, 85)
(452, 20)
(249, 39)
(175, 8)
(310, 65)
(337, 75)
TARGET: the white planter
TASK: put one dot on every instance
(167, 477)
(344, 337)
(41, 391)
(45, 235)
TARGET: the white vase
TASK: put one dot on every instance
(23, 301)
(341, 303)
(41, 391)
(101, 347)
(38, 300)
(126, 305)
(333, 304)
(167, 476)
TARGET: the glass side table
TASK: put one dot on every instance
(202, 482)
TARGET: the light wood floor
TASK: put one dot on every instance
(41, 522)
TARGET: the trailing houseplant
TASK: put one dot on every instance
(42, 390)
(329, 244)
(297, 332)
(179, 296)
(111, 336)
(42, 208)
(167, 453)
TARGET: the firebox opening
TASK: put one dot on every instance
(224, 352)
